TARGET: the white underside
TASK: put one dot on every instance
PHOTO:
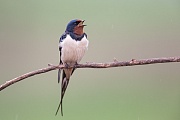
(73, 51)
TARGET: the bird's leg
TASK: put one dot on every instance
(75, 65)
(66, 65)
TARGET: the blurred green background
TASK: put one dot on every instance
(124, 29)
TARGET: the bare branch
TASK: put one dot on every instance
(91, 65)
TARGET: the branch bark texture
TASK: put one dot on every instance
(115, 63)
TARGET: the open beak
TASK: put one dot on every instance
(81, 24)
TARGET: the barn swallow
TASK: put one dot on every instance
(72, 46)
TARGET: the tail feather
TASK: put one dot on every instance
(65, 81)
(60, 104)
(64, 85)
(59, 75)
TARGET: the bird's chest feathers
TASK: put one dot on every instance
(72, 50)
(69, 43)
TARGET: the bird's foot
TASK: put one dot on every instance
(75, 65)
(66, 65)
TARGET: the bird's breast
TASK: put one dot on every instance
(72, 50)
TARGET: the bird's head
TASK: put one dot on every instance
(76, 26)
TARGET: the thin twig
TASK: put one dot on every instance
(91, 65)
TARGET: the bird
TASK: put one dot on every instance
(72, 46)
